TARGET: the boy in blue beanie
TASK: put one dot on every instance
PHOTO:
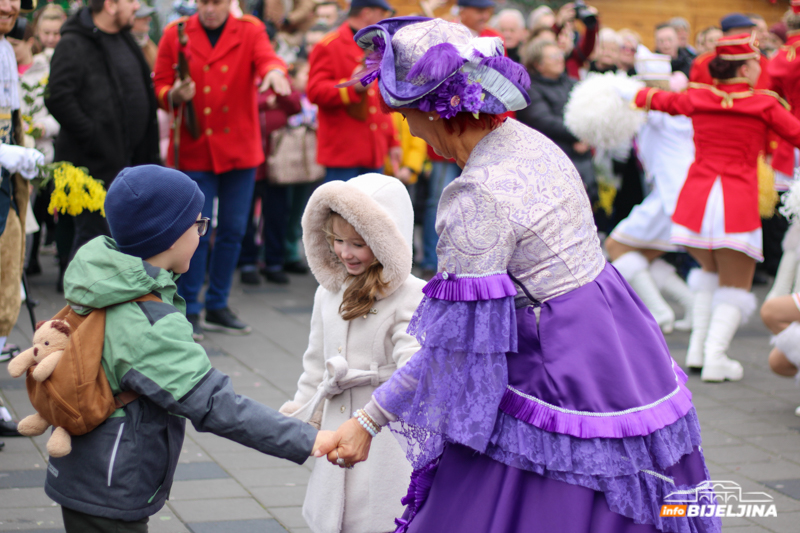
(121, 473)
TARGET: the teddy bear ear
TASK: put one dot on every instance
(39, 324)
(61, 326)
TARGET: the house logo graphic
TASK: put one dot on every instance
(719, 499)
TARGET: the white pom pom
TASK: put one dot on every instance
(598, 115)
(791, 201)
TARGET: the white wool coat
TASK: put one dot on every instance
(365, 499)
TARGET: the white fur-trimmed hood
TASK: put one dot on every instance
(379, 209)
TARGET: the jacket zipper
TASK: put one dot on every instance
(114, 453)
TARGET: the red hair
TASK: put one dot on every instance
(459, 123)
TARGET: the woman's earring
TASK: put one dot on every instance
(430, 118)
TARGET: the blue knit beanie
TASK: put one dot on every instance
(149, 207)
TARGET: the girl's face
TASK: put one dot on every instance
(350, 248)
(49, 32)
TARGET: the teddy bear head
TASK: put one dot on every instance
(50, 336)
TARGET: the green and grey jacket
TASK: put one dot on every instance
(123, 469)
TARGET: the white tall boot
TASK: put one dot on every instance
(703, 284)
(732, 307)
(633, 267)
(671, 285)
(785, 278)
(788, 341)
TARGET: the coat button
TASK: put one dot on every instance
(206, 68)
(340, 349)
(206, 89)
(385, 126)
(227, 130)
(371, 92)
(224, 109)
(224, 87)
(445, 275)
(343, 409)
(208, 131)
(224, 68)
(373, 127)
(207, 111)
(373, 110)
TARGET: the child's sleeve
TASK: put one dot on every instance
(405, 345)
(174, 372)
(313, 360)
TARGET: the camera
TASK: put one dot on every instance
(583, 13)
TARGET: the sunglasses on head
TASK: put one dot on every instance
(202, 225)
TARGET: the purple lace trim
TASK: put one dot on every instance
(630, 423)
(455, 289)
(418, 490)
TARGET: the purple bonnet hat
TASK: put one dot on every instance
(439, 66)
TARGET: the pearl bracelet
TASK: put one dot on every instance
(366, 422)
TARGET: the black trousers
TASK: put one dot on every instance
(77, 522)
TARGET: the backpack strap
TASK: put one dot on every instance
(125, 397)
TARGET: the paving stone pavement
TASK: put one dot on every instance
(750, 433)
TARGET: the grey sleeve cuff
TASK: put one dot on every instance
(378, 414)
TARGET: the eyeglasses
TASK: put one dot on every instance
(202, 225)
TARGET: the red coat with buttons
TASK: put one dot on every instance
(784, 71)
(225, 77)
(343, 140)
(730, 127)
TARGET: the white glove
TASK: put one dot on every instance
(22, 160)
(626, 91)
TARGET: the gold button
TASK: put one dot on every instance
(340, 349)
(224, 68)
(227, 130)
(343, 409)
(207, 111)
(385, 126)
(373, 109)
(373, 127)
(206, 68)
(371, 92)
(206, 89)
(224, 109)
(224, 87)
(208, 131)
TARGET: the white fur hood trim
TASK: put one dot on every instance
(379, 209)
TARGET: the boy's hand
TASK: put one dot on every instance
(324, 443)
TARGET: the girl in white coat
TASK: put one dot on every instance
(357, 236)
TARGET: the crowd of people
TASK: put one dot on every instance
(233, 134)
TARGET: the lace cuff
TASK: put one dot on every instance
(455, 288)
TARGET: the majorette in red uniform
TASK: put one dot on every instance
(352, 133)
(784, 73)
(718, 204)
(225, 102)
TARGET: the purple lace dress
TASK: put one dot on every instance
(544, 397)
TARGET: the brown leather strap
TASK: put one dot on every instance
(124, 398)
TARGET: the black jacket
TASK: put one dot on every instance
(546, 115)
(85, 96)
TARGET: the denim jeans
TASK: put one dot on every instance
(346, 173)
(442, 174)
(234, 190)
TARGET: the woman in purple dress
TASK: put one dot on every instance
(544, 397)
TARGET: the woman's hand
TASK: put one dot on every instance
(352, 444)
(324, 442)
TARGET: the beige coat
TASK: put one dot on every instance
(367, 498)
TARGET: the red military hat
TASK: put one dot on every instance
(795, 6)
(738, 47)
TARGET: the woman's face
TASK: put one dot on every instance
(430, 131)
(552, 62)
(49, 32)
(607, 54)
(627, 53)
(350, 248)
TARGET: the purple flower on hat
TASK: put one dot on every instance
(456, 94)
(372, 62)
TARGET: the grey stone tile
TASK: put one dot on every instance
(768, 470)
(282, 496)
(23, 458)
(289, 516)
(238, 526)
(271, 477)
(778, 443)
(249, 459)
(24, 497)
(726, 455)
(789, 487)
(207, 489)
(207, 470)
(192, 511)
(165, 521)
(20, 479)
(31, 518)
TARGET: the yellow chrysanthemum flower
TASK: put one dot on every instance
(75, 191)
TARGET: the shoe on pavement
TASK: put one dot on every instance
(9, 429)
(197, 329)
(295, 267)
(250, 277)
(278, 277)
(9, 351)
(224, 320)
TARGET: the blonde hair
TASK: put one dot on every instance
(363, 290)
(52, 12)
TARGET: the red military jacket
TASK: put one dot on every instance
(225, 102)
(730, 127)
(784, 71)
(353, 131)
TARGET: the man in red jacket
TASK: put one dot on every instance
(354, 135)
(226, 57)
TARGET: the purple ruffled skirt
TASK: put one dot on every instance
(594, 430)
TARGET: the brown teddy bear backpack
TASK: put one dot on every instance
(77, 395)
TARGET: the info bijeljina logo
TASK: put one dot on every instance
(718, 498)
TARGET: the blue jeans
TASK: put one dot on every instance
(235, 192)
(442, 174)
(345, 173)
